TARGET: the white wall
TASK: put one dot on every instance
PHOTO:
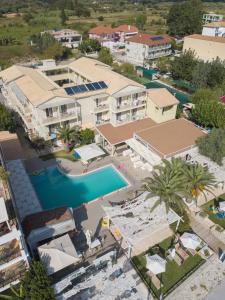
(213, 31)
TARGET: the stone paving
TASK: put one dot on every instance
(201, 282)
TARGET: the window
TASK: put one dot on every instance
(49, 112)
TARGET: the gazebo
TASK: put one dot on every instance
(89, 152)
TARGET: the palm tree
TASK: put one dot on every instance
(66, 134)
(166, 184)
(198, 180)
(15, 294)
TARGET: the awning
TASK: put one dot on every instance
(3, 212)
(58, 254)
(88, 152)
(190, 240)
(155, 264)
(143, 151)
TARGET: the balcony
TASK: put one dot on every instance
(101, 108)
(129, 106)
(102, 121)
(12, 273)
(9, 251)
(4, 229)
(61, 117)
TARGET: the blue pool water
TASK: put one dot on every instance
(55, 189)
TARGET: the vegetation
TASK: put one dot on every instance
(185, 18)
(105, 56)
(176, 179)
(141, 21)
(86, 136)
(68, 135)
(34, 285)
(7, 119)
(4, 175)
(90, 45)
(59, 154)
(208, 209)
(213, 145)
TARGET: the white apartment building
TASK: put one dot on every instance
(212, 17)
(214, 29)
(13, 251)
(67, 37)
(142, 47)
(85, 92)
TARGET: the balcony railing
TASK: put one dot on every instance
(102, 121)
(129, 105)
(60, 117)
(101, 107)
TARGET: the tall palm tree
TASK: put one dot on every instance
(66, 135)
(15, 293)
(198, 180)
(166, 184)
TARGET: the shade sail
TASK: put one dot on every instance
(190, 240)
(58, 254)
(155, 264)
(88, 152)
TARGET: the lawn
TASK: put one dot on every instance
(212, 216)
(174, 273)
(58, 154)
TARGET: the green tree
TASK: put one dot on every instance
(213, 145)
(200, 75)
(105, 56)
(89, 45)
(63, 16)
(66, 135)
(163, 64)
(86, 136)
(216, 75)
(101, 18)
(140, 21)
(182, 67)
(185, 18)
(27, 17)
(4, 175)
(7, 119)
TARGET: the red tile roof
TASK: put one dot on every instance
(101, 30)
(144, 38)
(126, 28)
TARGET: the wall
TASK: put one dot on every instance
(136, 52)
(158, 115)
(211, 31)
(205, 50)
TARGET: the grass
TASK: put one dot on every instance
(211, 215)
(58, 154)
(174, 273)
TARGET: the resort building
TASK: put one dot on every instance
(143, 46)
(85, 92)
(214, 29)
(212, 17)
(206, 48)
(117, 34)
(67, 37)
(13, 251)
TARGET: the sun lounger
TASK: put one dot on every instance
(181, 252)
(178, 259)
(155, 280)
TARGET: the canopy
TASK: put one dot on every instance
(190, 240)
(3, 212)
(222, 205)
(155, 264)
(58, 254)
(88, 152)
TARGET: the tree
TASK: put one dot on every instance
(213, 145)
(89, 45)
(183, 66)
(27, 17)
(101, 18)
(105, 56)
(198, 181)
(141, 21)
(86, 136)
(216, 74)
(4, 175)
(63, 17)
(200, 75)
(166, 183)
(7, 119)
(185, 18)
(163, 64)
(66, 134)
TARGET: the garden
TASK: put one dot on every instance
(176, 270)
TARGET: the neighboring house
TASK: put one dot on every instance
(85, 92)
(214, 29)
(161, 105)
(206, 48)
(143, 46)
(211, 17)
(13, 251)
(67, 37)
(117, 34)
(47, 224)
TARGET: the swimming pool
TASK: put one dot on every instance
(55, 189)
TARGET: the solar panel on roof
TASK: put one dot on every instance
(76, 89)
(96, 85)
(90, 87)
(83, 88)
(156, 38)
(102, 84)
(69, 91)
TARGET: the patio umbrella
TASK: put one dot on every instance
(155, 264)
(222, 206)
(190, 240)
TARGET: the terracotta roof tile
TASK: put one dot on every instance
(149, 39)
(162, 97)
(126, 28)
(101, 30)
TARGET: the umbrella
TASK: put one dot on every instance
(190, 240)
(222, 206)
(155, 264)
